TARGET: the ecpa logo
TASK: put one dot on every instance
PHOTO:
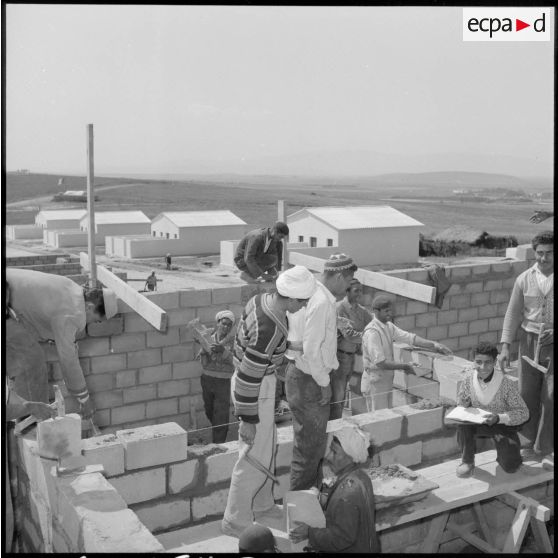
(506, 24)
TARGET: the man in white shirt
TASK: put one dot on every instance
(307, 378)
(530, 311)
(377, 354)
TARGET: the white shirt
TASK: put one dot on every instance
(545, 283)
(316, 327)
(377, 342)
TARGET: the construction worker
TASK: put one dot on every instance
(50, 308)
(260, 253)
(151, 283)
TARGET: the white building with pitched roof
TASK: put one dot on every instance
(109, 223)
(59, 218)
(371, 234)
(180, 233)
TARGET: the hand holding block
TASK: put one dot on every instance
(60, 437)
(303, 505)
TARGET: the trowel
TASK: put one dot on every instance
(535, 362)
(59, 406)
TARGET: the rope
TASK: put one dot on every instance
(330, 403)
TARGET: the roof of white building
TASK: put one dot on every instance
(200, 218)
(47, 214)
(120, 217)
(358, 217)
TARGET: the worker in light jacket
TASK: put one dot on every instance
(44, 307)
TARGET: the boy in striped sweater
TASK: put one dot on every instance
(259, 347)
(487, 388)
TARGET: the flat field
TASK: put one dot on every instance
(254, 199)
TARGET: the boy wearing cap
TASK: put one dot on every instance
(216, 376)
(50, 308)
(257, 538)
(350, 506)
(259, 347)
(259, 254)
(308, 374)
(354, 318)
(377, 354)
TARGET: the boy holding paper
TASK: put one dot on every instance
(489, 389)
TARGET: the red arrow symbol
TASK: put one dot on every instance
(519, 25)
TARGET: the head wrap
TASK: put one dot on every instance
(111, 306)
(339, 262)
(225, 314)
(256, 538)
(354, 442)
(381, 301)
(296, 282)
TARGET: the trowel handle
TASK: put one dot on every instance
(59, 403)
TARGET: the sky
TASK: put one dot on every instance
(218, 89)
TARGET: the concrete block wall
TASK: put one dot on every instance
(74, 513)
(139, 376)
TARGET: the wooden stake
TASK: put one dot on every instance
(91, 207)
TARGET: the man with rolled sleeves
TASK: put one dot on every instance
(308, 374)
(531, 312)
(353, 318)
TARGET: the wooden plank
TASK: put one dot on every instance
(541, 535)
(482, 524)
(512, 498)
(518, 529)
(455, 493)
(91, 206)
(472, 539)
(147, 309)
(380, 281)
(435, 532)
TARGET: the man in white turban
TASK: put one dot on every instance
(218, 368)
(349, 509)
(259, 347)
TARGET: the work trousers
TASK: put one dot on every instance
(25, 363)
(537, 390)
(505, 438)
(309, 427)
(251, 490)
(339, 379)
(216, 394)
(377, 388)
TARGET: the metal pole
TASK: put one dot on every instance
(282, 216)
(91, 208)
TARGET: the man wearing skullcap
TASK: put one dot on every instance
(353, 318)
(218, 368)
(377, 354)
(308, 374)
(50, 308)
(257, 538)
(349, 506)
(259, 348)
(260, 253)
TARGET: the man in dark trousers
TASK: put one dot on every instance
(259, 254)
(350, 507)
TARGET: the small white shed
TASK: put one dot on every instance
(118, 223)
(371, 234)
(59, 218)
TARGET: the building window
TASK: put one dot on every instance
(154, 233)
(175, 235)
(161, 234)
(301, 239)
(330, 241)
(168, 235)
(313, 241)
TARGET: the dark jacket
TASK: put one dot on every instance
(350, 517)
(250, 255)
